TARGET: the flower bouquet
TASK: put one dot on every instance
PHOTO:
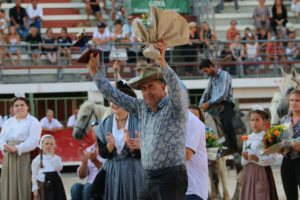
(272, 139)
(158, 24)
(213, 147)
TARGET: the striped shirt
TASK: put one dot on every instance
(163, 132)
(221, 89)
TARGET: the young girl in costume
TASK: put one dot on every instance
(46, 181)
(257, 180)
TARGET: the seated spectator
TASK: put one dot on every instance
(101, 39)
(89, 167)
(232, 31)
(13, 39)
(3, 22)
(190, 50)
(279, 15)
(121, 14)
(64, 39)
(92, 7)
(35, 14)
(263, 37)
(127, 27)
(118, 51)
(261, 16)
(50, 51)
(288, 32)
(207, 35)
(291, 52)
(275, 52)
(49, 123)
(34, 38)
(252, 53)
(295, 7)
(226, 57)
(72, 119)
(19, 19)
(237, 49)
(246, 31)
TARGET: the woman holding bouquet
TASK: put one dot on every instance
(290, 173)
(257, 181)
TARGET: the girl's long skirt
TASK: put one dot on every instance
(16, 176)
(258, 183)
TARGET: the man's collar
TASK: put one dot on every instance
(162, 102)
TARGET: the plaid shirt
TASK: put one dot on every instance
(221, 89)
(296, 129)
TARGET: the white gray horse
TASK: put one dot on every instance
(88, 112)
(273, 108)
(218, 167)
(289, 82)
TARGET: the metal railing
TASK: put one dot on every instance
(186, 58)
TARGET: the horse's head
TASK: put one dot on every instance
(289, 82)
(85, 116)
(273, 108)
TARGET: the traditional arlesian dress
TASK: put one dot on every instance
(16, 170)
(257, 181)
(124, 170)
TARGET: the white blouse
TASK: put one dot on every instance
(51, 164)
(27, 130)
(257, 148)
(119, 135)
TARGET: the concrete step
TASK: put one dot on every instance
(61, 11)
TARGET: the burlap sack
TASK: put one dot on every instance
(168, 24)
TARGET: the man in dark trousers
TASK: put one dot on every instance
(217, 98)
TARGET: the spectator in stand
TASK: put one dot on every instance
(101, 39)
(226, 57)
(261, 16)
(237, 49)
(288, 32)
(127, 27)
(49, 123)
(121, 14)
(50, 51)
(3, 22)
(252, 53)
(93, 7)
(190, 50)
(13, 39)
(232, 31)
(35, 14)
(207, 35)
(34, 38)
(275, 51)
(279, 15)
(118, 52)
(72, 119)
(263, 38)
(64, 39)
(89, 167)
(246, 31)
(291, 52)
(2, 34)
(19, 19)
(295, 6)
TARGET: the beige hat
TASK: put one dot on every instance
(148, 74)
(140, 64)
(290, 27)
(192, 24)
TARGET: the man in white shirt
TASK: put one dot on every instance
(101, 39)
(35, 14)
(196, 160)
(72, 119)
(50, 124)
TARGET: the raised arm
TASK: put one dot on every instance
(112, 94)
(171, 79)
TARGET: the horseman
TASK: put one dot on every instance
(217, 100)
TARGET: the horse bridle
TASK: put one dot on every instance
(87, 124)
